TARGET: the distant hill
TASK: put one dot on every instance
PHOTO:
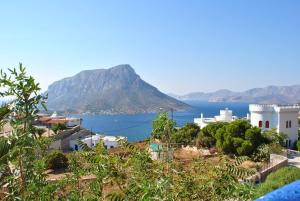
(118, 90)
(266, 95)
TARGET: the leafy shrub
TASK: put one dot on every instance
(56, 160)
(298, 145)
(58, 127)
(246, 149)
(271, 136)
(162, 127)
(262, 153)
(239, 138)
(278, 179)
(207, 138)
(186, 134)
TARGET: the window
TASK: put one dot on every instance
(290, 124)
(287, 124)
(111, 146)
(260, 124)
(267, 124)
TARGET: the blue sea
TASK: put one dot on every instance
(138, 126)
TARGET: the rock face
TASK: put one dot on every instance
(267, 95)
(108, 91)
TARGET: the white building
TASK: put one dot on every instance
(46, 120)
(283, 118)
(92, 141)
(225, 116)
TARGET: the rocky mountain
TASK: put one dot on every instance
(109, 91)
(266, 95)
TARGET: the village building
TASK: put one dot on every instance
(63, 139)
(109, 142)
(283, 118)
(46, 120)
(225, 116)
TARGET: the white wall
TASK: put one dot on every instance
(277, 116)
(293, 131)
(263, 116)
(94, 141)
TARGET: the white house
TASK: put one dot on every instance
(225, 116)
(284, 118)
(92, 141)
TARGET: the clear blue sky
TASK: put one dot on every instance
(179, 46)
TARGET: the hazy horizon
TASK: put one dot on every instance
(177, 46)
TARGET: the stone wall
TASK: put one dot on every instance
(276, 162)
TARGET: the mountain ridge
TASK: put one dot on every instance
(117, 90)
(265, 95)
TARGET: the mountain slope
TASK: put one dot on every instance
(108, 91)
(267, 95)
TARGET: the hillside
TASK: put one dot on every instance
(266, 95)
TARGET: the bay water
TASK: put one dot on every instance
(138, 126)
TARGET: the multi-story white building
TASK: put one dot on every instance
(284, 118)
(225, 116)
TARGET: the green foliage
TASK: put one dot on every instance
(25, 91)
(207, 137)
(162, 127)
(56, 160)
(128, 175)
(38, 131)
(22, 148)
(271, 136)
(58, 127)
(186, 135)
(245, 149)
(298, 145)
(239, 138)
(4, 113)
(278, 179)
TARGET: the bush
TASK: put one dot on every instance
(186, 135)
(56, 160)
(207, 138)
(278, 179)
(298, 145)
(239, 138)
(58, 127)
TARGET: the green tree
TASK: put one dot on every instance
(207, 136)
(56, 160)
(4, 114)
(162, 127)
(186, 135)
(272, 136)
(254, 136)
(239, 138)
(25, 105)
(298, 145)
(58, 127)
